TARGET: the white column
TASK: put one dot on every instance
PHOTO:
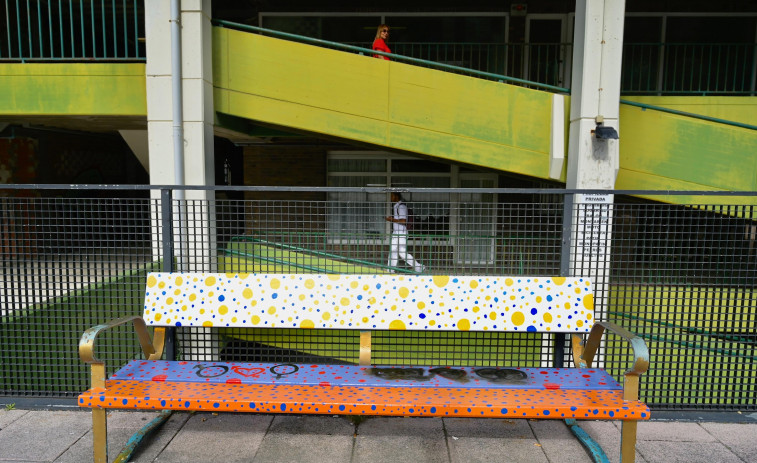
(196, 250)
(197, 101)
(593, 163)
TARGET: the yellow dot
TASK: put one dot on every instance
(151, 280)
(579, 323)
(365, 287)
(326, 315)
(169, 301)
(474, 284)
(365, 320)
(210, 281)
(158, 317)
(247, 293)
(558, 280)
(372, 300)
(589, 316)
(509, 282)
(223, 310)
(179, 281)
(207, 323)
(548, 317)
(421, 305)
(475, 309)
(463, 325)
(518, 318)
(578, 290)
(309, 283)
(333, 277)
(431, 322)
(162, 284)
(255, 319)
(242, 276)
(538, 298)
(302, 297)
(493, 315)
(168, 320)
(184, 308)
(404, 292)
(233, 319)
(345, 301)
(567, 305)
(307, 324)
(275, 283)
(397, 325)
(589, 302)
(192, 297)
(271, 310)
(354, 284)
(202, 311)
(440, 280)
(177, 292)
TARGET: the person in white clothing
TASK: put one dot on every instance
(398, 249)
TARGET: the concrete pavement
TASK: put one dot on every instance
(65, 436)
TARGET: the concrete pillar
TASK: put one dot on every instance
(198, 250)
(592, 162)
(194, 220)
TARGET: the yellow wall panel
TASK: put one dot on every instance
(71, 89)
(384, 103)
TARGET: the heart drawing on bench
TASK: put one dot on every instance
(248, 372)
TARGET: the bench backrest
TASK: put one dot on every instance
(370, 302)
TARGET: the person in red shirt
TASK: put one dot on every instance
(379, 43)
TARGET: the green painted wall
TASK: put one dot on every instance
(382, 103)
(73, 89)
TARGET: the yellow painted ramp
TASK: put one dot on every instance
(382, 103)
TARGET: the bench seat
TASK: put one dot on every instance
(346, 389)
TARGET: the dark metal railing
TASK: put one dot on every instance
(683, 277)
(69, 30)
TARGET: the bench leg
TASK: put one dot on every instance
(628, 441)
(100, 435)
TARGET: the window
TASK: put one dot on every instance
(465, 221)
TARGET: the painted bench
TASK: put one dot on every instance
(369, 303)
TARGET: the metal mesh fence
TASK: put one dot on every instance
(680, 276)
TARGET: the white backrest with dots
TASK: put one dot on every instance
(370, 302)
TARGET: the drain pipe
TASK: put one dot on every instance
(178, 130)
(178, 124)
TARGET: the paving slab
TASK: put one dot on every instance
(305, 439)
(121, 427)
(740, 438)
(227, 437)
(559, 443)
(9, 416)
(486, 440)
(674, 432)
(385, 439)
(686, 452)
(42, 435)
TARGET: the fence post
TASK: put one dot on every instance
(567, 230)
(166, 215)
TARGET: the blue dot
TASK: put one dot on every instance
(186, 404)
(283, 407)
(531, 329)
(163, 403)
(125, 401)
(549, 298)
(422, 316)
(373, 407)
(274, 295)
(503, 411)
(546, 412)
(534, 311)
(433, 410)
(378, 285)
(342, 407)
(412, 410)
(252, 405)
(216, 405)
(221, 298)
(573, 409)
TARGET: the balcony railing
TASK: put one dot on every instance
(68, 30)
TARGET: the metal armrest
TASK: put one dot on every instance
(153, 349)
(584, 353)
